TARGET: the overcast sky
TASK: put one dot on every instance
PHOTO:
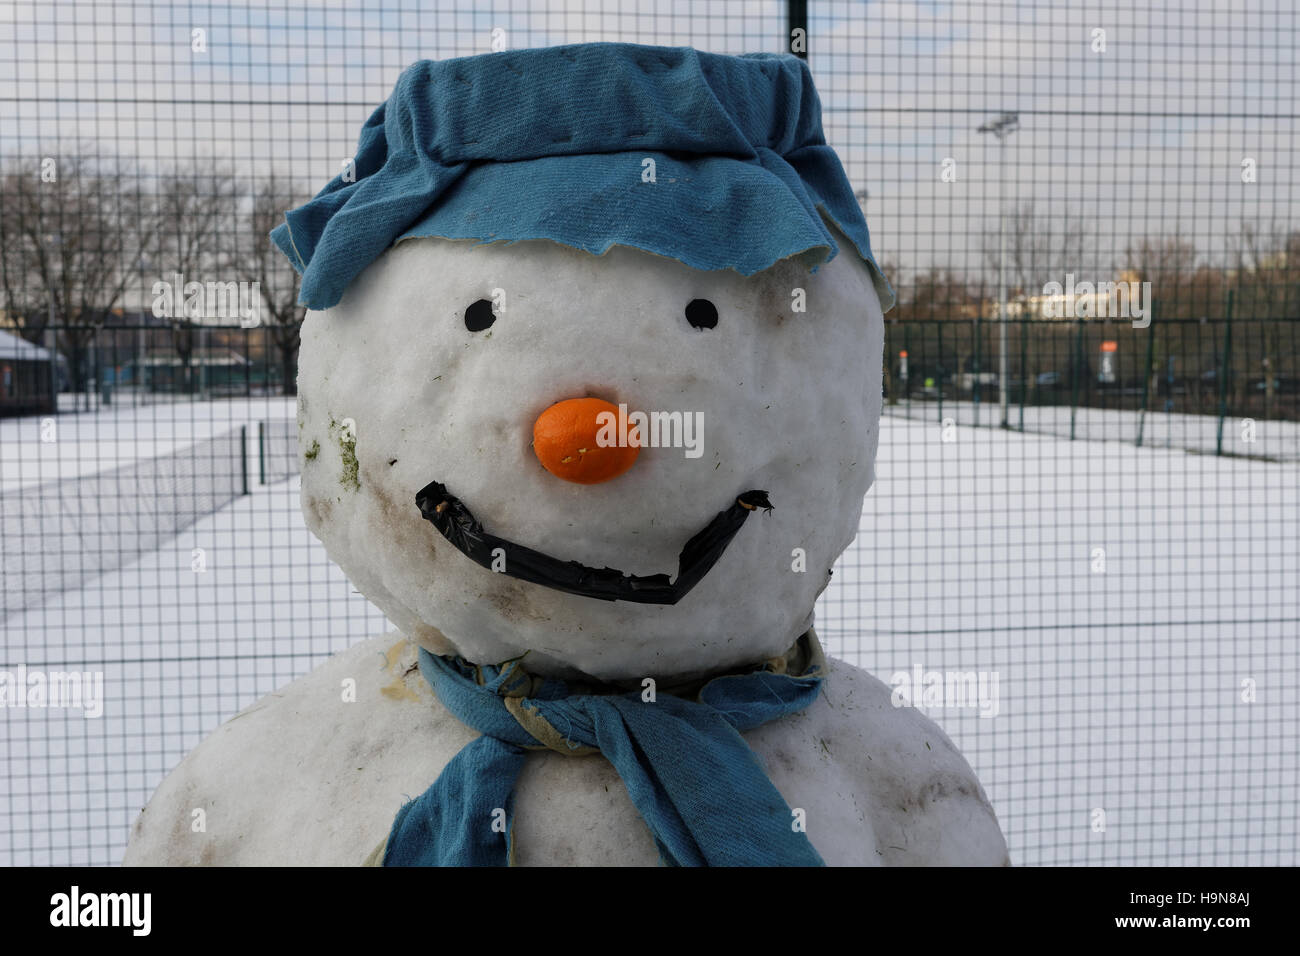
(1145, 137)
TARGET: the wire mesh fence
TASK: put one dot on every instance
(1181, 383)
(1120, 565)
(63, 533)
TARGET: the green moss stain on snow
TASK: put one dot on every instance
(347, 440)
(349, 478)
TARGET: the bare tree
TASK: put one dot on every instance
(1039, 249)
(937, 294)
(197, 237)
(72, 230)
(258, 260)
(1167, 263)
(1264, 263)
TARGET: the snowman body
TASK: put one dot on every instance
(301, 779)
(405, 382)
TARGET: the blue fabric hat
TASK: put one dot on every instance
(551, 143)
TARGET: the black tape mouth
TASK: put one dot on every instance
(450, 516)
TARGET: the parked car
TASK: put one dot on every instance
(1281, 386)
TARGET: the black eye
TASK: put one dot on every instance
(479, 316)
(701, 314)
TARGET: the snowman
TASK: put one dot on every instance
(588, 402)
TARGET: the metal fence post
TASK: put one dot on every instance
(907, 382)
(1024, 376)
(243, 456)
(261, 453)
(1146, 374)
(1076, 359)
(796, 14)
(52, 345)
(939, 372)
(1223, 373)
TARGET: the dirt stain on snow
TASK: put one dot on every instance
(395, 663)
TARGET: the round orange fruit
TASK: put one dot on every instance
(565, 442)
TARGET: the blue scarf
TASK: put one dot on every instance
(690, 774)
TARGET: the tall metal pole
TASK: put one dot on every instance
(203, 367)
(1024, 375)
(1146, 378)
(139, 366)
(1224, 365)
(796, 16)
(1002, 282)
(1002, 127)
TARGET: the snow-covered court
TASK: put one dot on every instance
(1109, 633)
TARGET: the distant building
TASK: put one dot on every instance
(27, 380)
(1105, 299)
(220, 370)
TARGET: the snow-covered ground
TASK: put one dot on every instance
(83, 494)
(1145, 706)
(181, 651)
(1279, 440)
(36, 450)
(1128, 600)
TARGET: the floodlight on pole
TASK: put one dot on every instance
(1002, 127)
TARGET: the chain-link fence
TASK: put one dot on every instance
(1086, 210)
(1180, 383)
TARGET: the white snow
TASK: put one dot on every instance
(1242, 435)
(120, 434)
(1119, 691)
(181, 652)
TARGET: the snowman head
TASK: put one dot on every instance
(563, 430)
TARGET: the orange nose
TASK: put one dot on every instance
(574, 440)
